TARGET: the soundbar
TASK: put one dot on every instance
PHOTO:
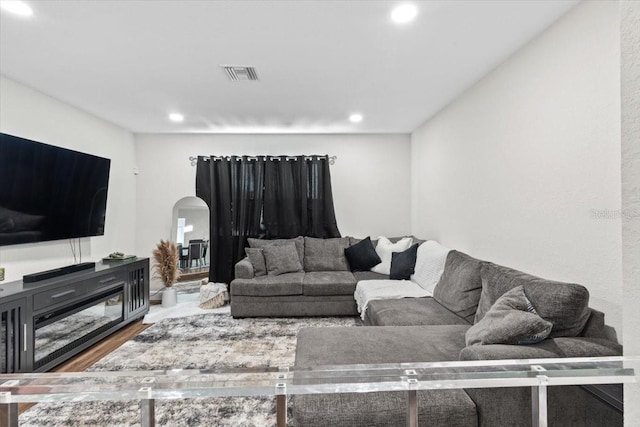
(56, 272)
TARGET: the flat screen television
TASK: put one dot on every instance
(50, 193)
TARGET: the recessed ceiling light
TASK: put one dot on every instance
(404, 13)
(176, 117)
(17, 7)
(355, 118)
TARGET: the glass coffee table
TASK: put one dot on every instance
(147, 387)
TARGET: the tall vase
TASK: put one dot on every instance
(169, 297)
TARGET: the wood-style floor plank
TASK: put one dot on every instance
(81, 361)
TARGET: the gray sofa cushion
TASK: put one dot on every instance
(329, 283)
(256, 258)
(379, 344)
(410, 312)
(340, 345)
(261, 243)
(325, 254)
(294, 306)
(460, 286)
(511, 320)
(281, 259)
(563, 304)
(284, 284)
(436, 408)
(369, 275)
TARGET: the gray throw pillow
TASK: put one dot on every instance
(281, 259)
(511, 320)
(325, 254)
(256, 258)
(566, 305)
(261, 243)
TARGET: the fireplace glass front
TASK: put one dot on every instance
(59, 331)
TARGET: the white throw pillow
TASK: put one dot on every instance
(430, 262)
(384, 250)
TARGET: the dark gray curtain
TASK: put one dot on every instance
(298, 200)
(272, 197)
(321, 216)
(233, 190)
(285, 197)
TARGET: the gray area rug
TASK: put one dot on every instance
(196, 342)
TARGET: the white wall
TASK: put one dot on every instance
(370, 179)
(198, 218)
(519, 168)
(30, 114)
(630, 90)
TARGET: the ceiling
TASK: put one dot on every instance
(134, 62)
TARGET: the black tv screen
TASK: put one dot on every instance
(50, 193)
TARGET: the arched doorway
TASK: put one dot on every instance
(190, 231)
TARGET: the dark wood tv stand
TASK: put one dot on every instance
(45, 323)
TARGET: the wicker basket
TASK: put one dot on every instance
(213, 295)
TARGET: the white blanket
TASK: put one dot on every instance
(430, 263)
(369, 290)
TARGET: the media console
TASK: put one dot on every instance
(45, 323)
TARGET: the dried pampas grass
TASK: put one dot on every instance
(166, 258)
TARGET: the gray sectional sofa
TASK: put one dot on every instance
(324, 286)
(431, 329)
(434, 329)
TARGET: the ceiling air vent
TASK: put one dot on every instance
(240, 72)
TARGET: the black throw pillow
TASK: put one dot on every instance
(362, 256)
(403, 264)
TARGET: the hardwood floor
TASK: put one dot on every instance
(190, 274)
(83, 360)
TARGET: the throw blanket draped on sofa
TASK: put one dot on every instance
(369, 290)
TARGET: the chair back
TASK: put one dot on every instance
(183, 252)
(195, 250)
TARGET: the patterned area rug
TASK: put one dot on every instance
(196, 342)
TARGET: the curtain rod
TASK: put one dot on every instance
(194, 159)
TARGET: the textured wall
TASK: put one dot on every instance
(630, 90)
(524, 168)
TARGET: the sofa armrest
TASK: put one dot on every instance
(549, 348)
(244, 269)
(596, 328)
(567, 405)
